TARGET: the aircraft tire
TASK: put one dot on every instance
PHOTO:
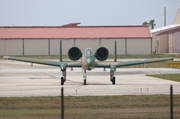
(114, 80)
(84, 82)
(62, 81)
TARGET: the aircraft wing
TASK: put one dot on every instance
(50, 63)
(128, 63)
(113, 65)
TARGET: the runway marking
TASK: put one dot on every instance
(46, 74)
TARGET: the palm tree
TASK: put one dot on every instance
(152, 24)
(145, 23)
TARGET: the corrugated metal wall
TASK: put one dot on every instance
(36, 47)
(51, 46)
(2, 46)
(163, 43)
(139, 46)
(11, 47)
(109, 44)
(55, 43)
(177, 42)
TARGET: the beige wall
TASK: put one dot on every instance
(109, 44)
(87, 43)
(163, 43)
(55, 46)
(154, 43)
(176, 42)
(11, 47)
(36, 47)
(138, 46)
(94, 44)
(51, 46)
(177, 18)
(170, 43)
(2, 47)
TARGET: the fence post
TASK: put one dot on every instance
(171, 102)
(62, 103)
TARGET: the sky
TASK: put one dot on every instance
(88, 12)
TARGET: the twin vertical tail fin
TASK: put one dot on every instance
(60, 51)
(115, 52)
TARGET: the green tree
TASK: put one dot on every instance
(151, 24)
(145, 23)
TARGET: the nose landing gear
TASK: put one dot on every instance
(84, 76)
(63, 78)
(112, 77)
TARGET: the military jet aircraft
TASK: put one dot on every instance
(87, 61)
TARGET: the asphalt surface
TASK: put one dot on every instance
(19, 79)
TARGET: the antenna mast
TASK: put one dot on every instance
(164, 16)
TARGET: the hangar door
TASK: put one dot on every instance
(139, 46)
(11, 47)
(177, 42)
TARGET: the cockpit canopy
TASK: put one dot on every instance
(88, 52)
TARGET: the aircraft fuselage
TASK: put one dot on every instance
(88, 60)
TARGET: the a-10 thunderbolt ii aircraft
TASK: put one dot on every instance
(87, 61)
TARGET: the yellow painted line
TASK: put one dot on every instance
(50, 75)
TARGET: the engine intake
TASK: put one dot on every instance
(102, 53)
(74, 53)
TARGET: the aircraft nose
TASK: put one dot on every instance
(88, 61)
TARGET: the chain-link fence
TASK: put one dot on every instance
(90, 102)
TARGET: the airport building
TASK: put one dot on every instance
(167, 39)
(45, 40)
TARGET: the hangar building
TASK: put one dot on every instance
(167, 39)
(44, 40)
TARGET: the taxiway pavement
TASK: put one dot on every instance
(19, 79)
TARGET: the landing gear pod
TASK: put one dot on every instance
(74, 53)
(102, 53)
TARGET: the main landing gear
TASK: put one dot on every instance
(112, 77)
(63, 78)
(113, 80)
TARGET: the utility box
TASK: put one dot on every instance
(174, 64)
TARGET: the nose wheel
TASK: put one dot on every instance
(84, 76)
(85, 82)
(63, 78)
(113, 80)
(112, 77)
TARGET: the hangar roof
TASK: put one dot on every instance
(165, 28)
(74, 31)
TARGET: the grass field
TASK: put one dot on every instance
(91, 107)
(172, 77)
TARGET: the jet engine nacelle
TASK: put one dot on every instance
(102, 53)
(74, 53)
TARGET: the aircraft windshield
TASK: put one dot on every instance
(88, 52)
